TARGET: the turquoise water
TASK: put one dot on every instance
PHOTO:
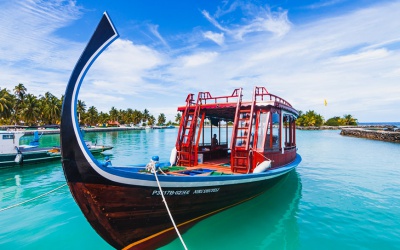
(344, 195)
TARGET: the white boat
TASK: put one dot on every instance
(12, 153)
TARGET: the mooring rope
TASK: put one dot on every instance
(34, 198)
(153, 170)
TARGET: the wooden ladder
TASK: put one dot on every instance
(187, 130)
(241, 136)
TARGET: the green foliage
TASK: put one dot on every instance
(161, 119)
(178, 117)
(7, 103)
(346, 120)
(309, 119)
(349, 120)
(334, 121)
(26, 108)
(151, 120)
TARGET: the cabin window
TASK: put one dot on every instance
(276, 130)
(8, 137)
(262, 128)
(272, 138)
(289, 131)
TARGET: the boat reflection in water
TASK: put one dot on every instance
(267, 222)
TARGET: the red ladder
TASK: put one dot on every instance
(241, 136)
(187, 130)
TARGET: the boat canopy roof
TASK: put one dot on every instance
(224, 107)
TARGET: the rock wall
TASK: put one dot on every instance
(372, 134)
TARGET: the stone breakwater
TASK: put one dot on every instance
(381, 135)
(318, 128)
(387, 127)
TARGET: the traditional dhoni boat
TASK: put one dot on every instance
(148, 205)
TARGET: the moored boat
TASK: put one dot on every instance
(12, 153)
(148, 205)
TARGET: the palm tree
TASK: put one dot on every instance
(51, 108)
(122, 116)
(310, 118)
(151, 120)
(161, 119)
(81, 110)
(20, 92)
(178, 117)
(145, 115)
(129, 116)
(92, 116)
(349, 120)
(31, 111)
(6, 103)
(103, 118)
(113, 114)
(136, 117)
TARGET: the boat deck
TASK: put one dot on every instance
(220, 165)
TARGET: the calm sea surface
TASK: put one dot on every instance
(344, 195)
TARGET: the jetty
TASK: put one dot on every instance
(382, 134)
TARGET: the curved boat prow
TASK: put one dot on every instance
(70, 135)
(74, 152)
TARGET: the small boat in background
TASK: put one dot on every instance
(12, 153)
(148, 205)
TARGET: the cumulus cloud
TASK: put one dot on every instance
(125, 68)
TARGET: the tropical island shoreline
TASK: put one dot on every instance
(389, 133)
(85, 129)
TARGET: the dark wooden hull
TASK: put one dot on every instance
(133, 215)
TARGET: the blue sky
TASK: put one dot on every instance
(344, 51)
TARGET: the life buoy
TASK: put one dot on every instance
(263, 166)
(172, 158)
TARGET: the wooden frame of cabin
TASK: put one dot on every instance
(263, 129)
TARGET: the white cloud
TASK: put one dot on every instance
(154, 31)
(31, 52)
(274, 22)
(213, 21)
(197, 59)
(351, 60)
(362, 56)
(123, 70)
(218, 38)
(324, 4)
(326, 59)
(262, 20)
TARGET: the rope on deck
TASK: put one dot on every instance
(154, 171)
(37, 197)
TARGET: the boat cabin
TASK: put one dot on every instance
(262, 129)
(9, 141)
